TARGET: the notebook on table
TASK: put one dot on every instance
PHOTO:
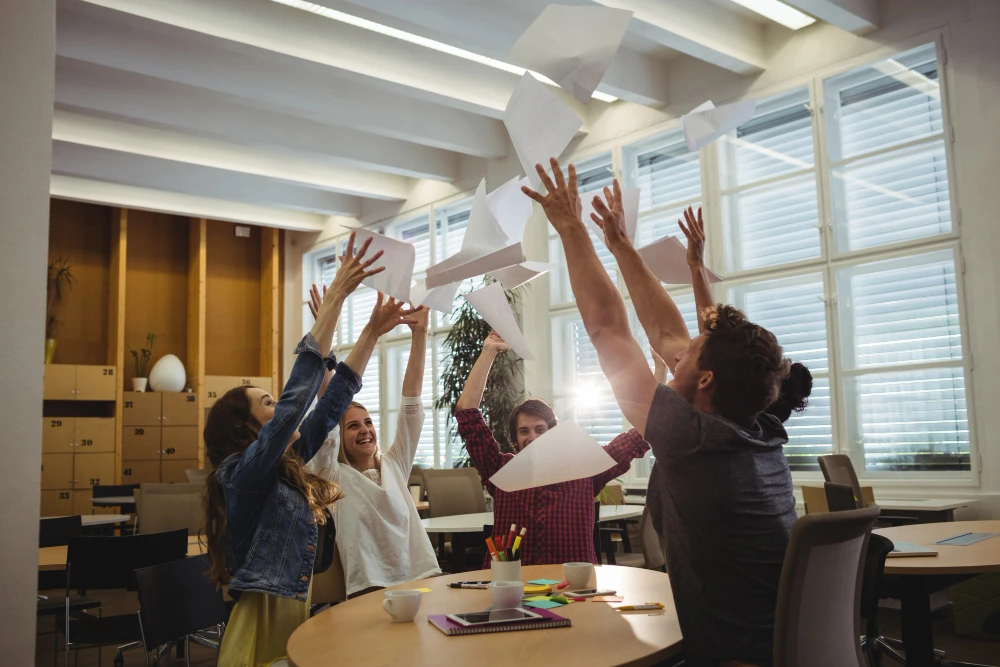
(902, 549)
(449, 627)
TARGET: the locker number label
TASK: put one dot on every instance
(55, 423)
(140, 431)
(109, 371)
(128, 404)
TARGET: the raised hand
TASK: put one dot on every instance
(315, 300)
(419, 317)
(387, 315)
(495, 344)
(610, 217)
(695, 233)
(353, 269)
(562, 203)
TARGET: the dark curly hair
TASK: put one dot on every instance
(747, 362)
(794, 393)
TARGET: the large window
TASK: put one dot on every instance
(383, 379)
(834, 230)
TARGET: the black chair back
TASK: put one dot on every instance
(177, 599)
(840, 497)
(871, 580)
(56, 531)
(108, 562)
(111, 490)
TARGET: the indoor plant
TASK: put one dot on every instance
(60, 278)
(141, 361)
(504, 388)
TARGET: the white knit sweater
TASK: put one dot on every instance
(379, 535)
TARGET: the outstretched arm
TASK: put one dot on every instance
(695, 233)
(413, 378)
(475, 384)
(601, 306)
(658, 314)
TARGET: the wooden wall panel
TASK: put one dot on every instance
(81, 233)
(233, 308)
(270, 267)
(116, 318)
(156, 299)
(197, 263)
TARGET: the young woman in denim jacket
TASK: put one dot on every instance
(262, 506)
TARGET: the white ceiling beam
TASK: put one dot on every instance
(286, 84)
(362, 55)
(491, 28)
(700, 29)
(100, 164)
(128, 138)
(113, 194)
(156, 102)
(857, 16)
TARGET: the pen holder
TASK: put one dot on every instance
(505, 570)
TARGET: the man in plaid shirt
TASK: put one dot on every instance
(559, 517)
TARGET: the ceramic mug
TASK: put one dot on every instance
(578, 574)
(402, 605)
(505, 570)
(506, 594)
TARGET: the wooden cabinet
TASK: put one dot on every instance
(173, 470)
(94, 434)
(179, 409)
(141, 443)
(93, 469)
(68, 382)
(179, 442)
(159, 428)
(141, 408)
(57, 472)
(58, 503)
(217, 385)
(58, 435)
(140, 472)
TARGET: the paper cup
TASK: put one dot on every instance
(505, 570)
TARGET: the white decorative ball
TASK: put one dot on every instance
(168, 374)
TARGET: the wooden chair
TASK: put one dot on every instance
(452, 491)
(165, 507)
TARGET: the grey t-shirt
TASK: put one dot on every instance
(721, 497)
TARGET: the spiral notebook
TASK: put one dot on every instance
(450, 628)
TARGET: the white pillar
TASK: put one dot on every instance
(27, 77)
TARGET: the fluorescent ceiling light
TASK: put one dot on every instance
(423, 41)
(778, 12)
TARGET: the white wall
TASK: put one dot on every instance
(27, 54)
(972, 36)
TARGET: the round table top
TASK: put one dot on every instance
(973, 559)
(358, 632)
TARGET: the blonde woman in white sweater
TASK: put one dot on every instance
(379, 535)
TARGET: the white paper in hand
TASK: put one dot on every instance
(517, 275)
(397, 258)
(562, 454)
(630, 202)
(667, 260)
(539, 124)
(491, 303)
(441, 299)
(573, 46)
(707, 122)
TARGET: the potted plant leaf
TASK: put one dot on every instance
(141, 358)
(60, 278)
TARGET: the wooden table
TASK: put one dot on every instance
(91, 520)
(919, 576)
(359, 633)
(54, 558)
(473, 523)
(422, 505)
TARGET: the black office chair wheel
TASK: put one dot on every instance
(119, 660)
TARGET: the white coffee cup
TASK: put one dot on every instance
(506, 594)
(505, 570)
(578, 575)
(402, 605)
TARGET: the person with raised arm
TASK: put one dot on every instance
(379, 535)
(559, 518)
(263, 508)
(721, 491)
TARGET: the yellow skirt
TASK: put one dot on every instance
(259, 628)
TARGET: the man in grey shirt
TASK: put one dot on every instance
(721, 492)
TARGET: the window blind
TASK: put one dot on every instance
(664, 170)
(398, 356)
(794, 311)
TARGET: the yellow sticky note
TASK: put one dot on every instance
(423, 590)
(535, 598)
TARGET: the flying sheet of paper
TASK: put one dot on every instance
(491, 303)
(483, 228)
(667, 259)
(573, 46)
(539, 124)
(511, 208)
(561, 454)
(707, 122)
(474, 261)
(398, 258)
(441, 299)
(517, 275)
(630, 202)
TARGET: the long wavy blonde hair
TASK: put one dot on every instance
(342, 454)
(229, 429)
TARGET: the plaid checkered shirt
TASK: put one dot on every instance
(559, 517)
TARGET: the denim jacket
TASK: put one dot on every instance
(271, 537)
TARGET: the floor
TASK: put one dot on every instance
(957, 648)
